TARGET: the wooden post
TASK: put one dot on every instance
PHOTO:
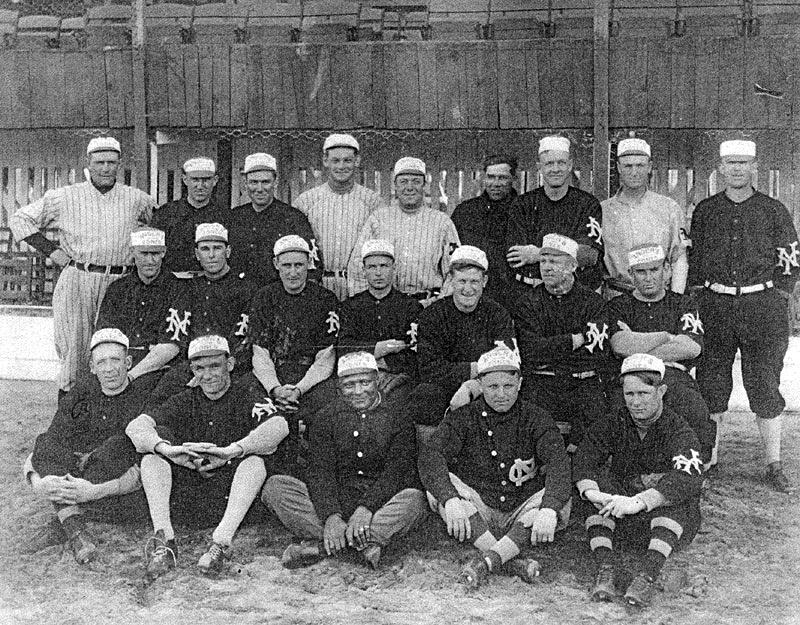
(141, 147)
(600, 165)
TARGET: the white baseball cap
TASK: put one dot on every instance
(109, 335)
(498, 359)
(645, 255)
(340, 141)
(642, 362)
(356, 362)
(199, 165)
(260, 161)
(148, 240)
(103, 144)
(409, 165)
(554, 143)
(559, 244)
(210, 232)
(290, 243)
(377, 247)
(737, 148)
(209, 345)
(469, 255)
(631, 147)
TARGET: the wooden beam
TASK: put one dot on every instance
(600, 166)
(141, 147)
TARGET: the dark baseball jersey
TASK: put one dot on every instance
(577, 215)
(364, 320)
(179, 220)
(506, 457)
(252, 235)
(293, 327)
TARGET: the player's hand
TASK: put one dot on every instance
(542, 522)
(577, 341)
(215, 457)
(598, 498)
(623, 326)
(180, 455)
(59, 257)
(358, 531)
(51, 488)
(620, 506)
(287, 397)
(80, 490)
(519, 255)
(457, 512)
(333, 535)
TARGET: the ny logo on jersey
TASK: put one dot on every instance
(514, 349)
(595, 230)
(313, 257)
(692, 323)
(333, 322)
(241, 327)
(682, 463)
(264, 409)
(787, 260)
(595, 336)
(177, 325)
(412, 336)
(521, 471)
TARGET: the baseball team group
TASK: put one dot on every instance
(351, 366)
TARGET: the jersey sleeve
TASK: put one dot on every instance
(432, 351)
(787, 248)
(177, 322)
(519, 229)
(683, 482)
(697, 261)
(689, 323)
(111, 314)
(38, 215)
(677, 232)
(593, 452)
(446, 442)
(450, 242)
(399, 463)
(322, 484)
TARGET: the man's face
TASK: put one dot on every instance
(379, 271)
(103, 168)
(213, 256)
(497, 181)
(556, 167)
(644, 402)
(293, 270)
(556, 268)
(634, 171)
(649, 279)
(213, 373)
(468, 285)
(738, 171)
(341, 163)
(110, 363)
(410, 190)
(359, 390)
(500, 389)
(148, 263)
(199, 186)
(261, 187)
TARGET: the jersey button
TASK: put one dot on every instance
(483, 414)
(355, 432)
(360, 454)
(360, 472)
(489, 432)
(503, 483)
(211, 423)
(494, 453)
(502, 465)
(502, 498)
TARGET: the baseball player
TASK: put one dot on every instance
(338, 209)
(483, 222)
(563, 341)
(653, 486)
(382, 320)
(180, 218)
(362, 487)
(253, 228)
(84, 456)
(423, 238)
(202, 456)
(453, 333)
(745, 254)
(555, 207)
(655, 321)
(94, 220)
(139, 304)
(497, 473)
(635, 216)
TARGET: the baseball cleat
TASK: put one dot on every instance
(604, 584)
(213, 560)
(640, 592)
(160, 555)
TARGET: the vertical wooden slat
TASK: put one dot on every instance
(176, 86)
(238, 88)
(205, 58)
(706, 87)
(547, 78)
(562, 84)
(731, 81)
(21, 87)
(756, 71)
(451, 104)
(659, 84)
(531, 85)
(157, 93)
(481, 71)
(255, 87)
(406, 86)
(221, 71)
(115, 75)
(343, 71)
(191, 84)
(292, 79)
(7, 96)
(511, 99)
(582, 83)
(600, 155)
(362, 85)
(428, 86)
(683, 75)
(380, 91)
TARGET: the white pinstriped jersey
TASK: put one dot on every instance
(423, 241)
(94, 227)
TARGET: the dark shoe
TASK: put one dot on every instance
(604, 584)
(48, 535)
(305, 553)
(527, 569)
(213, 560)
(372, 555)
(778, 479)
(640, 592)
(80, 541)
(160, 555)
(475, 573)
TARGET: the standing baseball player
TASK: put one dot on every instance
(555, 207)
(179, 219)
(338, 209)
(253, 228)
(94, 220)
(745, 253)
(423, 237)
(636, 216)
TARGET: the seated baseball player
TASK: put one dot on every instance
(660, 322)
(453, 333)
(497, 472)
(562, 341)
(84, 456)
(202, 458)
(382, 320)
(138, 304)
(653, 485)
(362, 488)
(293, 328)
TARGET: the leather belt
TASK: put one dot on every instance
(677, 365)
(738, 290)
(578, 375)
(532, 281)
(341, 273)
(112, 269)
(421, 295)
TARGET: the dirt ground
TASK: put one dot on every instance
(743, 568)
